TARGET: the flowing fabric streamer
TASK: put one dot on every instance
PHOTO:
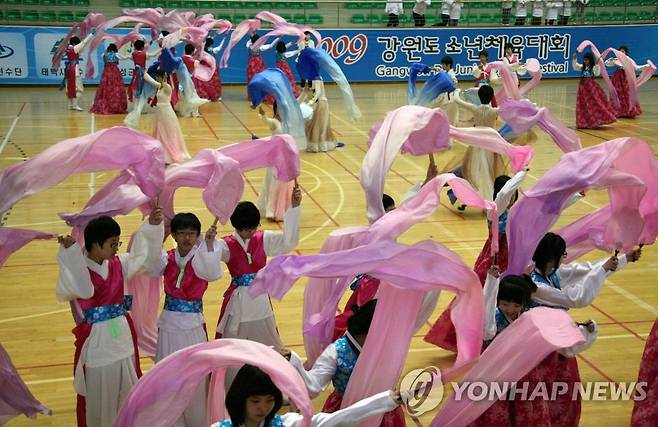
(162, 394)
(142, 155)
(12, 239)
(510, 88)
(82, 29)
(273, 82)
(628, 67)
(646, 74)
(212, 170)
(522, 115)
(625, 166)
(604, 72)
(248, 26)
(514, 353)
(322, 295)
(320, 60)
(419, 131)
(15, 397)
(402, 291)
(434, 86)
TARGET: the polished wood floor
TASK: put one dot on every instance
(35, 328)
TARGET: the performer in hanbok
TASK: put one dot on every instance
(139, 57)
(106, 361)
(212, 89)
(504, 303)
(111, 96)
(187, 269)
(621, 83)
(337, 361)
(282, 55)
(245, 252)
(274, 197)
(166, 128)
(254, 400)
(593, 108)
(72, 73)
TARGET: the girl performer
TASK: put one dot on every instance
(504, 304)
(166, 127)
(274, 197)
(72, 75)
(212, 89)
(282, 56)
(139, 57)
(110, 96)
(255, 63)
(337, 361)
(254, 400)
(593, 108)
(621, 85)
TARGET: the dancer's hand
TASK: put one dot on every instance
(66, 241)
(210, 237)
(285, 353)
(634, 255)
(156, 216)
(494, 271)
(611, 264)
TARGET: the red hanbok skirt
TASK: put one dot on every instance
(645, 411)
(111, 95)
(283, 66)
(625, 109)
(593, 108)
(442, 333)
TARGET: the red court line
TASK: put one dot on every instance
(343, 166)
(593, 366)
(617, 322)
(209, 127)
(319, 205)
(236, 118)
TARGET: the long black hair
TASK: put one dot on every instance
(590, 56)
(251, 381)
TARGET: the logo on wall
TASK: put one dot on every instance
(351, 48)
(5, 51)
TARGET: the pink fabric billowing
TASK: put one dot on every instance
(211, 169)
(420, 130)
(604, 72)
(401, 292)
(12, 239)
(277, 151)
(248, 26)
(15, 397)
(82, 30)
(219, 176)
(522, 115)
(114, 148)
(322, 295)
(162, 394)
(518, 349)
(646, 74)
(283, 28)
(510, 88)
(628, 66)
(625, 166)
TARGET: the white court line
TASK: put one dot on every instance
(31, 316)
(11, 130)
(341, 202)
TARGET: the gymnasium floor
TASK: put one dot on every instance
(35, 328)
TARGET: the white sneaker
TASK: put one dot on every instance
(312, 147)
(76, 108)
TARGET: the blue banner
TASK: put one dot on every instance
(364, 55)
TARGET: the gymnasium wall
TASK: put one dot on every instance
(367, 55)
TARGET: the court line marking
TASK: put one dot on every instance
(12, 127)
(31, 316)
